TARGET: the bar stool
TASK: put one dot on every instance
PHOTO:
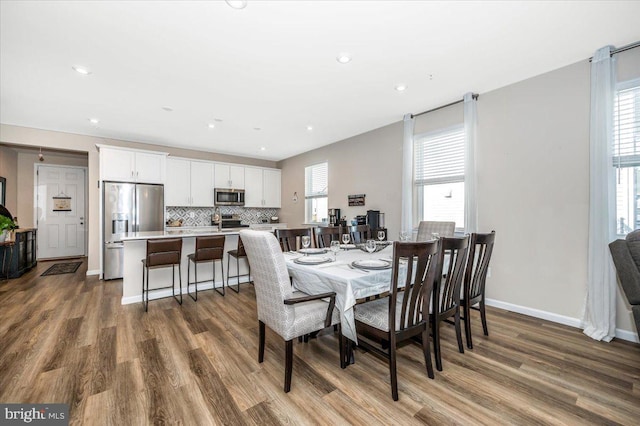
(208, 249)
(237, 254)
(161, 254)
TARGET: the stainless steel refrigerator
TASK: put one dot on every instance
(127, 207)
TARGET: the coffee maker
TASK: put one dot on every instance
(334, 217)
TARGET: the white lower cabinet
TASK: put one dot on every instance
(262, 187)
(189, 183)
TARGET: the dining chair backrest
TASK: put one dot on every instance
(288, 238)
(428, 227)
(358, 233)
(270, 279)
(325, 234)
(480, 249)
(416, 285)
(449, 280)
(209, 248)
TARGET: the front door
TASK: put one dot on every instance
(60, 211)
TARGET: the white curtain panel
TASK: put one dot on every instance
(407, 174)
(470, 138)
(600, 310)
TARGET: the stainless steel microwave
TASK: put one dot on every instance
(229, 197)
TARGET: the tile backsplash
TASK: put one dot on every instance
(202, 215)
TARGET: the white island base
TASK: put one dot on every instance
(135, 249)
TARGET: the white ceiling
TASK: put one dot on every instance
(272, 65)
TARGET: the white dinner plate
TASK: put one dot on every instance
(371, 264)
(347, 246)
(312, 251)
(312, 260)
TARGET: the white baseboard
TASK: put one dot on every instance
(93, 272)
(560, 319)
(161, 294)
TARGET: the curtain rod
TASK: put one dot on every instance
(622, 49)
(475, 96)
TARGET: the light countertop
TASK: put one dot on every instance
(179, 232)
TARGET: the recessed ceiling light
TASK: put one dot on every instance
(401, 87)
(94, 121)
(343, 58)
(309, 128)
(219, 120)
(257, 128)
(81, 70)
(262, 148)
(167, 108)
(237, 4)
(211, 125)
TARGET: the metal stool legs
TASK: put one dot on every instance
(145, 291)
(196, 282)
(237, 272)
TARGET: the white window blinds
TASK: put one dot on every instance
(626, 126)
(316, 179)
(439, 157)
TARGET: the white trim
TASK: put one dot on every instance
(559, 319)
(93, 272)
(161, 294)
(629, 84)
(123, 148)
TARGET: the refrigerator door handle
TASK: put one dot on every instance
(112, 246)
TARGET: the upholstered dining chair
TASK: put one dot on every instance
(325, 234)
(446, 292)
(399, 317)
(358, 233)
(475, 277)
(288, 313)
(428, 227)
(288, 238)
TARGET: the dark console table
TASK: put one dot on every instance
(19, 255)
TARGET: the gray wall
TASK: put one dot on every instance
(533, 185)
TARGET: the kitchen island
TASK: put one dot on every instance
(135, 248)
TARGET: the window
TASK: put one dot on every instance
(626, 155)
(439, 176)
(316, 194)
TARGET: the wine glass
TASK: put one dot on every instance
(381, 235)
(306, 241)
(435, 236)
(346, 238)
(335, 248)
(404, 236)
(370, 246)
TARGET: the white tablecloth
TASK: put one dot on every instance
(348, 284)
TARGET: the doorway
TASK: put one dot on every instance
(60, 211)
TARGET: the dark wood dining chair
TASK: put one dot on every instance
(359, 233)
(208, 249)
(446, 292)
(288, 238)
(286, 312)
(475, 277)
(399, 317)
(325, 234)
(162, 253)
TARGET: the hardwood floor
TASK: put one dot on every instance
(67, 339)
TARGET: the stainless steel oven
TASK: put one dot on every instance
(229, 197)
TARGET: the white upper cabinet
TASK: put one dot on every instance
(202, 184)
(228, 176)
(189, 183)
(272, 182)
(262, 187)
(177, 190)
(127, 165)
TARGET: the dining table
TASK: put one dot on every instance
(336, 273)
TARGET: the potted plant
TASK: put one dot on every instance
(6, 224)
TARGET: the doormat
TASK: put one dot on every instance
(62, 268)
